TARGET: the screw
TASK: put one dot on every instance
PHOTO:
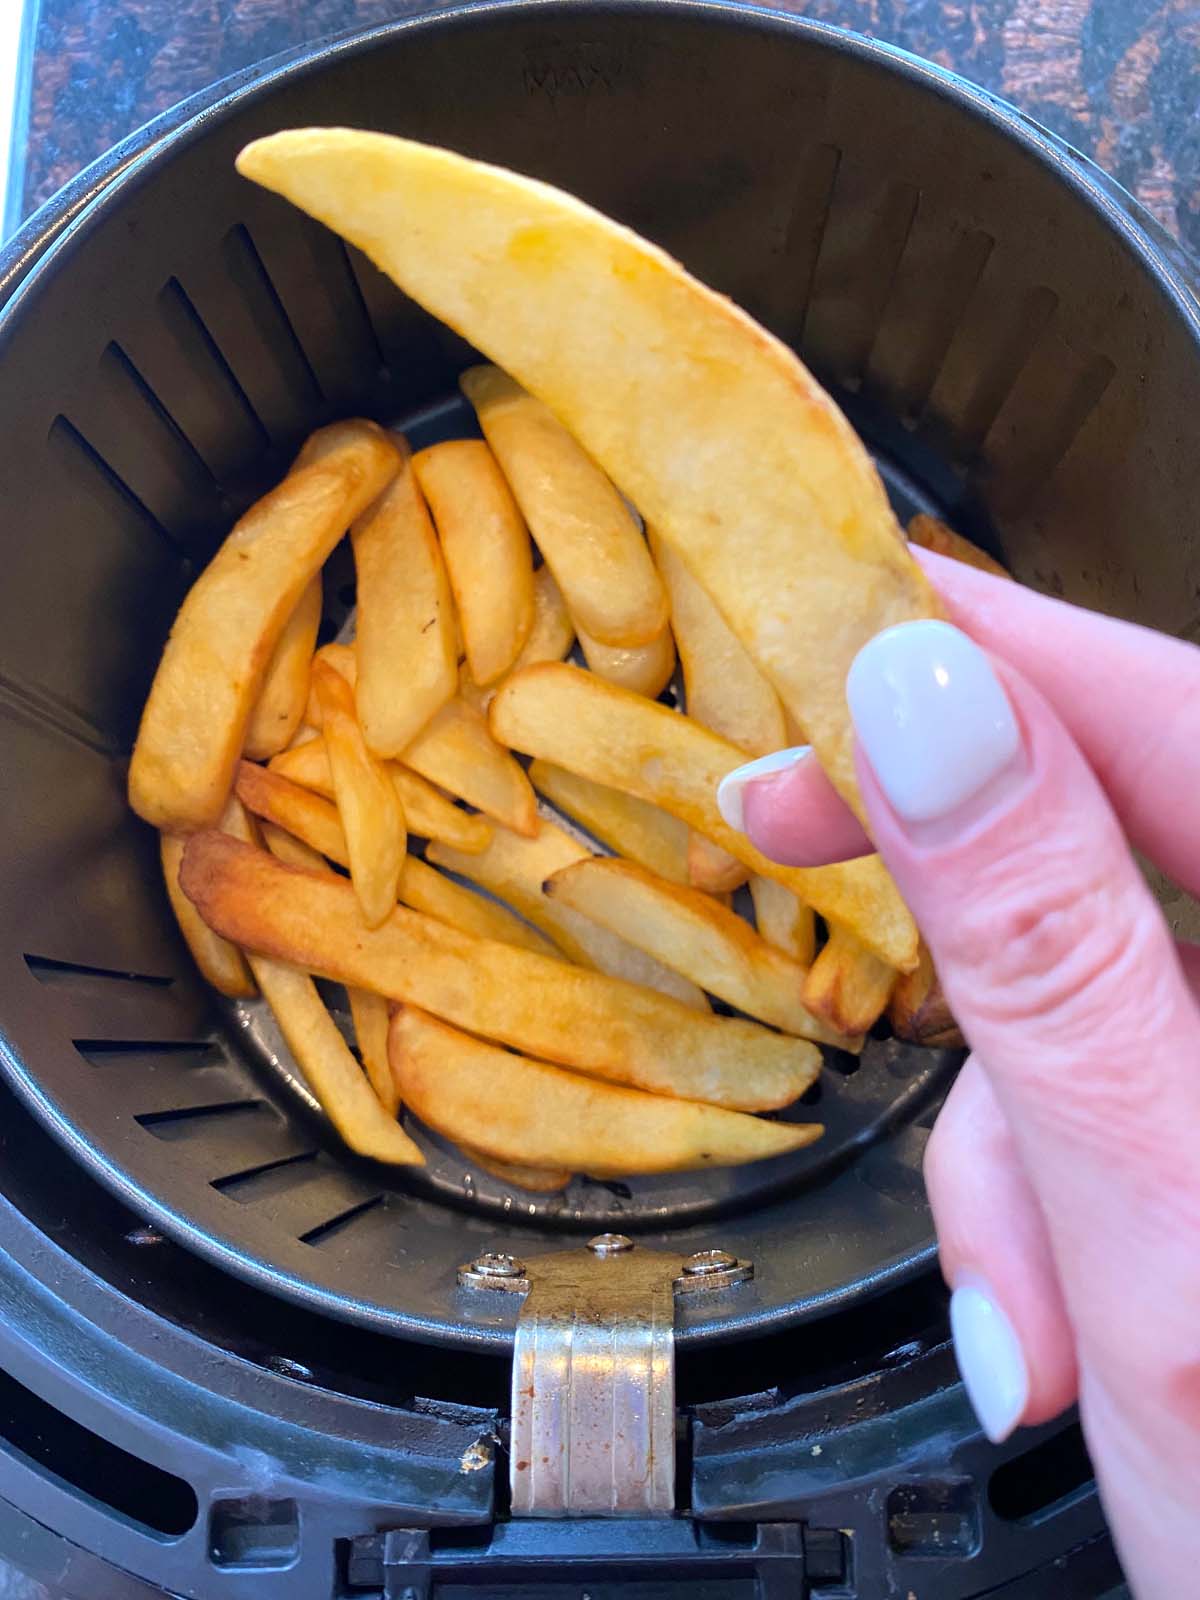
(708, 1261)
(609, 1244)
(498, 1265)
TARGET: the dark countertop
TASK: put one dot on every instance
(1120, 79)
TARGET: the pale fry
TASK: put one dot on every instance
(550, 638)
(644, 668)
(295, 809)
(918, 1010)
(424, 889)
(713, 869)
(331, 1071)
(516, 869)
(724, 689)
(371, 818)
(219, 961)
(551, 1009)
(426, 810)
(640, 832)
(212, 669)
(715, 430)
(369, 1013)
(405, 645)
(931, 534)
(784, 920)
(537, 1180)
(517, 1109)
(583, 528)
(290, 848)
(457, 752)
(561, 714)
(697, 937)
(847, 985)
(279, 710)
(488, 555)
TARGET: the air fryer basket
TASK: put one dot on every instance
(1017, 350)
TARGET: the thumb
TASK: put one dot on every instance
(1065, 980)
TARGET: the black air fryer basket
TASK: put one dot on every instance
(232, 1356)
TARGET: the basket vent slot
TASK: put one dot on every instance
(214, 397)
(69, 450)
(51, 972)
(343, 1220)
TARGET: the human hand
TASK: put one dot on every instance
(1005, 780)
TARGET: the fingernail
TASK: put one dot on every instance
(990, 1360)
(732, 788)
(931, 717)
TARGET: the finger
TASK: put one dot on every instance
(787, 805)
(1129, 697)
(1012, 1336)
(1064, 977)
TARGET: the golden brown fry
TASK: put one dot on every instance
(712, 869)
(405, 644)
(488, 555)
(343, 659)
(457, 752)
(369, 1013)
(644, 668)
(847, 985)
(331, 1071)
(715, 430)
(600, 1025)
(550, 638)
(279, 710)
(219, 961)
(561, 714)
(640, 832)
(295, 809)
(784, 920)
(537, 1180)
(426, 890)
(429, 814)
(517, 1109)
(583, 527)
(368, 807)
(516, 869)
(212, 669)
(289, 848)
(918, 1010)
(931, 534)
(724, 689)
(691, 933)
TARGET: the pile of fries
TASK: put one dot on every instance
(366, 812)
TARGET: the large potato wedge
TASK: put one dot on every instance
(369, 810)
(931, 534)
(846, 984)
(638, 831)
(600, 1025)
(724, 689)
(279, 709)
(212, 669)
(583, 528)
(550, 638)
(784, 920)
(324, 1057)
(426, 810)
(559, 713)
(369, 1013)
(516, 870)
(644, 668)
(220, 962)
(693, 934)
(405, 642)
(424, 889)
(520, 1110)
(715, 430)
(488, 554)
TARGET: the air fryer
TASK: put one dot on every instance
(236, 1361)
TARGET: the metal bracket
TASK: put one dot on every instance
(593, 1387)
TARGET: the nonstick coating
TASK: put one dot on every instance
(1013, 343)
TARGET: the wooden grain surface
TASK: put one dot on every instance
(1119, 78)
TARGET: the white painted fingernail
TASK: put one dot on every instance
(932, 718)
(732, 788)
(990, 1360)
